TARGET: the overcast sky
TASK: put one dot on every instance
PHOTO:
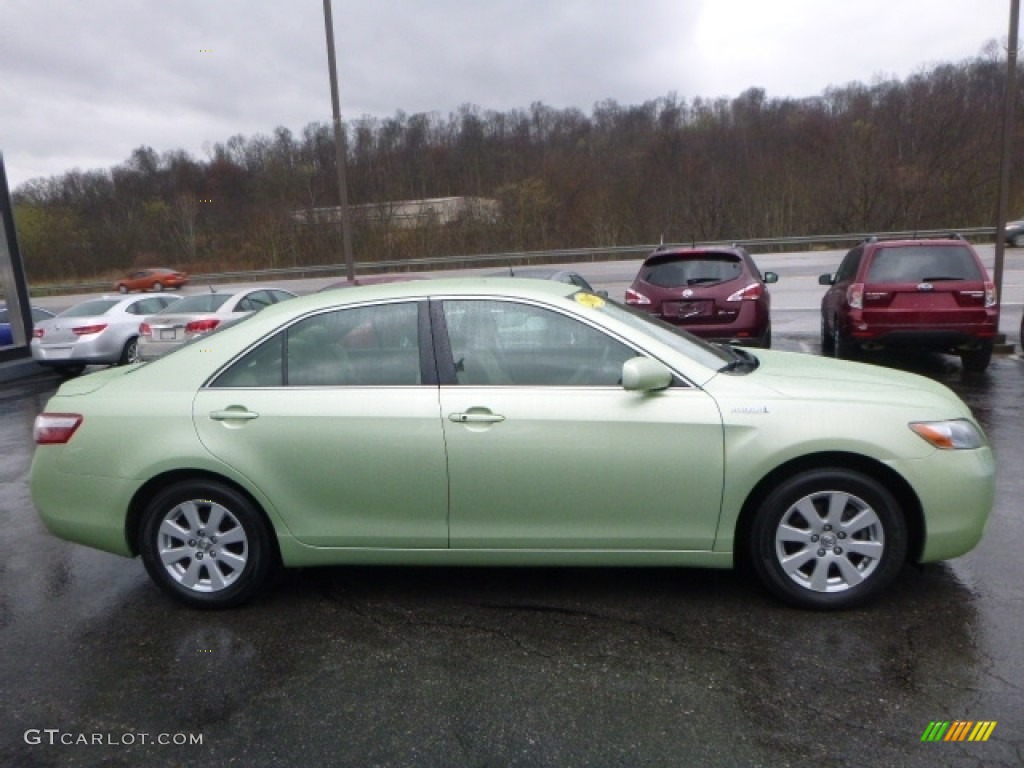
(83, 82)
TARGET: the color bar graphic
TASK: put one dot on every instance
(958, 730)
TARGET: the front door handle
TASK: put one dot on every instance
(475, 417)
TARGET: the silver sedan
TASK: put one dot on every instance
(96, 331)
(201, 313)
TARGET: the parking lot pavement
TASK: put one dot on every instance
(602, 667)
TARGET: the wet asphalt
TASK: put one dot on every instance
(510, 667)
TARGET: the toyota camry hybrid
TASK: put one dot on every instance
(506, 422)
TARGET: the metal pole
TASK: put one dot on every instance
(339, 148)
(1005, 160)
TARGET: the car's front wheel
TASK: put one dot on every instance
(158, 286)
(206, 544)
(828, 539)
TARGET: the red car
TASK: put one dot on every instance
(151, 280)
(715, 293)
(928, 294)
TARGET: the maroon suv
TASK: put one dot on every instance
(928, 294)
(715, 293)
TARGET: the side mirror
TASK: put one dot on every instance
(826, 279)
(771, 277)
(642, 374)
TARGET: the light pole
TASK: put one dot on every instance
(339, 148)
(1006, 154)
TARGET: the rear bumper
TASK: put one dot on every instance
(747, 326)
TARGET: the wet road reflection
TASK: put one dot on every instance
(404, 666)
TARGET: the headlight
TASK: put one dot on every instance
(950, 435)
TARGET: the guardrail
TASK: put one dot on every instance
(513, 258)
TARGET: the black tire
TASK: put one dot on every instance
(827, 342)
(158, 286)
(122, 289)
(977, 360)
(179, 520)
(812, 556)
(765, 342)
(130, 352)
(1017, 241)
(841, 347)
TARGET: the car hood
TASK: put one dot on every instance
(809, 377)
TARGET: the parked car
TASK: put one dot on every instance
(715, 293)
(925, 294)
(543, 273)
(101, 331)
(506, 422)
(1014, 233)
(151, 280)
(6, 334)
(199, 314)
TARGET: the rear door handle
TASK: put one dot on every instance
(233, 414)
(475, 417)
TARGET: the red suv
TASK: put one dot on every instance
(930, 294)
(715, 293)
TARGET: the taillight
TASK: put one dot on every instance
(750, 293)
(990, 294)
(85, 330)
(202, 326)
(55, 428)
(38, 333)
(855, 296)
(145, 330)
(635, 297)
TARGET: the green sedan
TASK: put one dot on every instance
(506, 422)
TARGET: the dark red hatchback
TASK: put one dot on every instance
(928, 294)
(715, 293)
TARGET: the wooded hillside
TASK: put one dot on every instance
(896, 155)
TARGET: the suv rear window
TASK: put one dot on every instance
(923, 264)
(703, 270)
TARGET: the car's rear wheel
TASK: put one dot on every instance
(206, 544)
(130, 352)
(827, 342)
(828, 539)
(840, 347)
(1018, 241)
(765, 342)
(976, 360)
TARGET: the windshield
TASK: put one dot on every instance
(201, 302)
(681, 341)
(90, 308)
(923, 263)
(706, 270)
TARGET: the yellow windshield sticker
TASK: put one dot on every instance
(589, 300)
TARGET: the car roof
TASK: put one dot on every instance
(509, 287)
